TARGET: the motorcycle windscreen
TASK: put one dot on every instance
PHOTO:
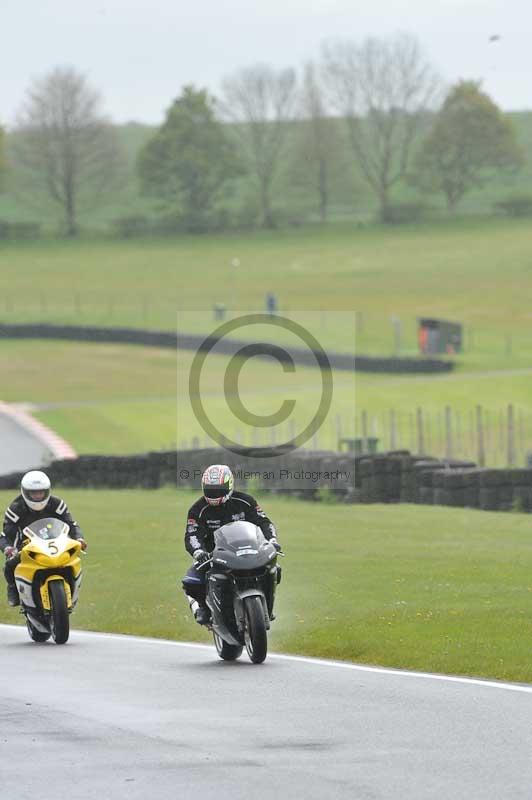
(49, 528)
(237, 536)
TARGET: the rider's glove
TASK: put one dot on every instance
(275, 544)
(200, 556)
(83, 543)
(10, 551)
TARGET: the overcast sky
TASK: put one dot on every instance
(139, 54)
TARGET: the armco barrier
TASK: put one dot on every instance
(393, 477)
(148, 338)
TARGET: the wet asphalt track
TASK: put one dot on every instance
(19, 449)
(117, 717)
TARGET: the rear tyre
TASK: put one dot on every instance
(59, 621)
(37, 636)
(255, 635)
(229, 652)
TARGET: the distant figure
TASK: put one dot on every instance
(271, 303)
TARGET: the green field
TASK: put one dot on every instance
(416, 588)
(474, 271)
(125, 399)
(120, 399)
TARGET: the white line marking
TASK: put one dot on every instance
(320, 662)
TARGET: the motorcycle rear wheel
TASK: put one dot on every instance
(229, 652)
(59, 621)
(37, 636)
(255, 634)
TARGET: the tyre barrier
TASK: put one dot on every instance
(392, 477)
(167, 339)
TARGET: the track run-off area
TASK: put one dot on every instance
(123, 717)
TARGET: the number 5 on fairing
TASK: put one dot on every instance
(48, 579)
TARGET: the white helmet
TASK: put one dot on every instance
(35, 487)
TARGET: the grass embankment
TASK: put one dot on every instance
(420, 588)
(476, 271)
(125, 399)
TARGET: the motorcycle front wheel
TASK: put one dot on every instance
(255, 634)
(229, 652)
(59, 621)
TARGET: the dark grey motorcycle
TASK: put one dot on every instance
(241, 581)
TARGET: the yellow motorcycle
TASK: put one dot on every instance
(48, 579)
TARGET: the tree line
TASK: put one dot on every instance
(379, 100)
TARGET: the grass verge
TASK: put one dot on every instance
(436, 589)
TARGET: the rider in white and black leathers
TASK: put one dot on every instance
(219, 505)
(34, 502)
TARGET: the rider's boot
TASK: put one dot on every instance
(12, 595)
(201, 612)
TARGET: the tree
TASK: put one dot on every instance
(189, 159)
(470, 142)
(382, 89)
(316, 143)
(64, 147)
(260, 100)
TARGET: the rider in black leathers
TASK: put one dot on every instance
(219, 505)
(33, 503)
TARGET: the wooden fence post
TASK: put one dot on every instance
(411, 432)
(472, 437)
(420, 437)
(511, 436)
(393, 431)
(396, 322)
(428, 432)
(338, 429)
(521, 432)
(364, 431)
(481, 452)
(487, 432)
(448, 432)
(459, 446)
